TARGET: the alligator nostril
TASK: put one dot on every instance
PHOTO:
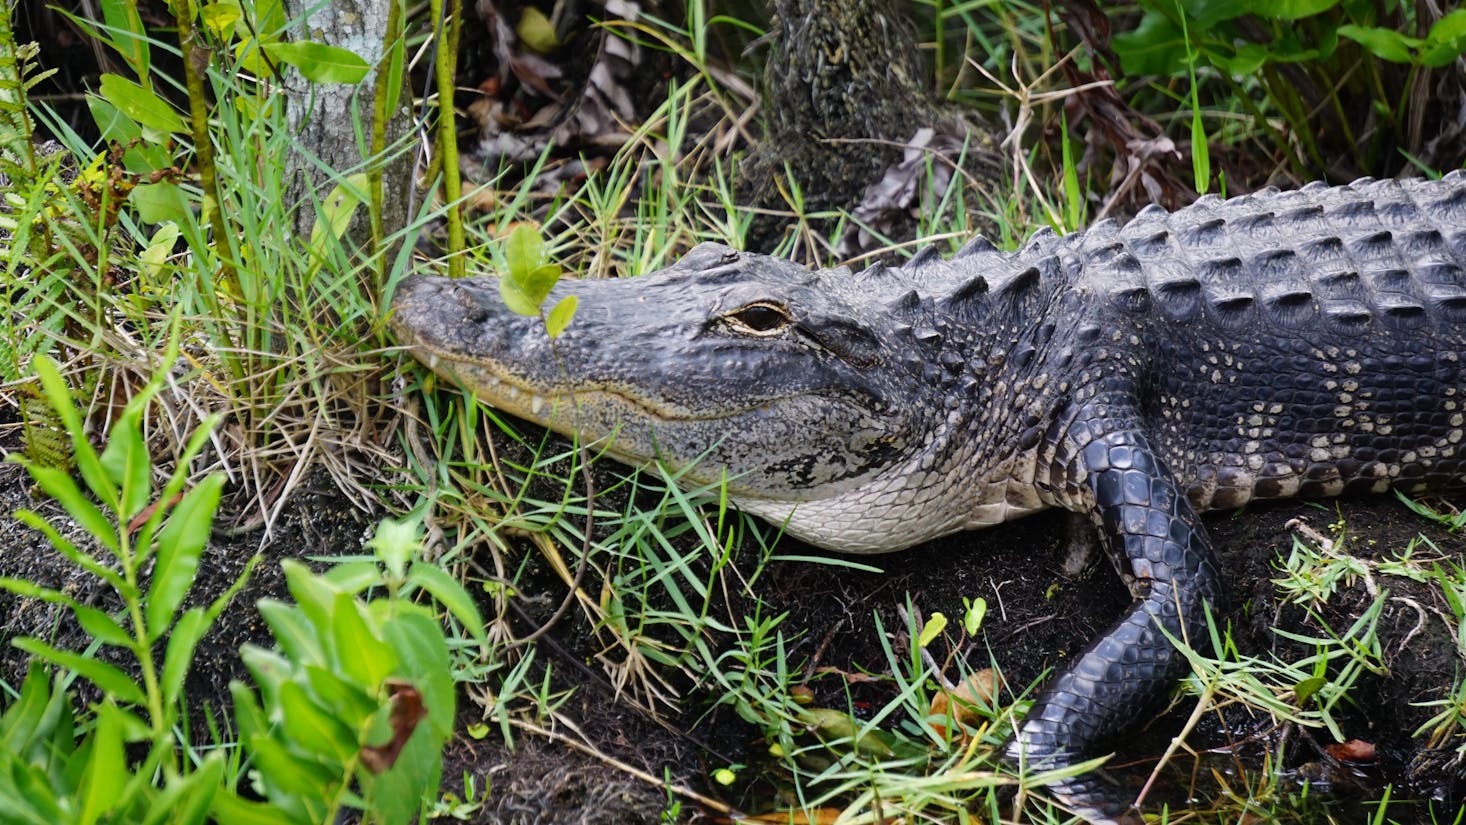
(473, 311)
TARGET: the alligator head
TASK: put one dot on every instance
(812, 393)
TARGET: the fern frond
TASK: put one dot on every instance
(43, 433)
(17, 131)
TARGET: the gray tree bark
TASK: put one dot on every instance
(332, 122)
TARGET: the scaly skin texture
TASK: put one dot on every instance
(1277, 344)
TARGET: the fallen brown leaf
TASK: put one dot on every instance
(407, 711)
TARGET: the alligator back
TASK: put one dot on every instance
(1290, 343)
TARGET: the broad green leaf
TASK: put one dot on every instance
(540, 280)
(536, 31)
(524, 250)
(142, 105)
(1446, 40)
(106, 769)
(268, 668)
(418, 639)
(336, 212)
(59, 485)
(107, 677)
(127, 34)
(228, 807)
(143, 158)
(250, 58)
(516, 298)
(101, 626)
(1386, 44)
(180, 545)
(320, 63)
(296, 638)
(1246, 60)
(178, 655)
(159, 249)
(128, 463)
(161, 202)
(932, 629)
(358, 652)
(1448, 28)
(1292, 9)
(530, 289)
(354, 576)
(449, 592)
(311, 729)
(1153, 47)
(220, 18)
(312, 594)
(249, 717)
(560, 315)
(270, 16)
(111, 122)
(351, 703)
(1442, 54)
(1305, 689)
(307, 783)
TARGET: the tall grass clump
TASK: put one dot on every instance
(187, 205)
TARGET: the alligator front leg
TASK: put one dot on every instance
(1107, 465)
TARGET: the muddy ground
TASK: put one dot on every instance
(1037, 616)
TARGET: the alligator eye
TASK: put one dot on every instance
(760, 319)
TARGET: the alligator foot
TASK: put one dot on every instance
(1092, 796)
(1109, 468)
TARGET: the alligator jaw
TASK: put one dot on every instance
(492, 386)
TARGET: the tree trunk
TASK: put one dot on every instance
(332, 122)
(844, 92)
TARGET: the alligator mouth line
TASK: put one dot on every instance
(517, 398)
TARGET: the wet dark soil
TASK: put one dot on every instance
(1037, 616)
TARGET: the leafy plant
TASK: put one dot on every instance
(352, 709)
(528, 278)
(136, 528)
(1309, 61)
(355, 705)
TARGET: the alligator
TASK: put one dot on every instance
(1282, 343)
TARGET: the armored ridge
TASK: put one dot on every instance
(1277, 344)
